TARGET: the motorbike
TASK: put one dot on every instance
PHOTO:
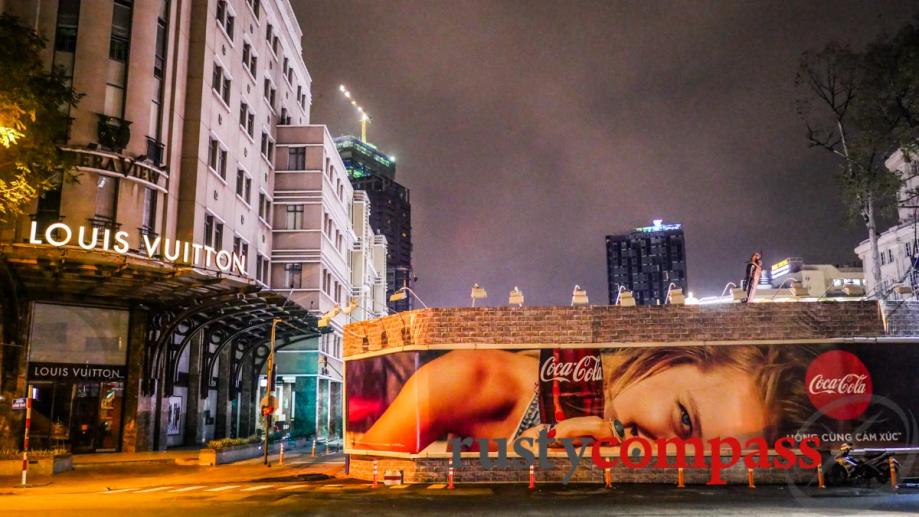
(867, 465)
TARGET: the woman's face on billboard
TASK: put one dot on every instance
(687, 401)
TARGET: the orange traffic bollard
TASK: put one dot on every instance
(680, 481)
(893, 472)
(450, 478)
(532, 477)
(820, 482)
(314, 447)
(608, 477)
(374, 483)
(750, 482)
(281, 459)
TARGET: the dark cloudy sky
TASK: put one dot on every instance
(527, 131)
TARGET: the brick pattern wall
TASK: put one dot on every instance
(434, 470)
(606, 323)
(534, 326)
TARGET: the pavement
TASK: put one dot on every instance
(317, 485)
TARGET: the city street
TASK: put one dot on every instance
(317, 486)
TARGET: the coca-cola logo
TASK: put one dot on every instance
(839, 385)
(587, 369)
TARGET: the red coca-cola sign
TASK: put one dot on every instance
(839, 384)
(586, 369)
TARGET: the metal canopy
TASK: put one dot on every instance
(181, 302)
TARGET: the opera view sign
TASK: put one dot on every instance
(156, 248)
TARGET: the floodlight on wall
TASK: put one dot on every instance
(402, 293)
(624, 297)
(327, 317)
(477, 293)
(579, 296)
(351, 306)
(515, 297)
(675, 295)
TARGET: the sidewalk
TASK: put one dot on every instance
(150, 468)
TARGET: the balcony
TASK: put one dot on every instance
(114, 133)
(104, 223)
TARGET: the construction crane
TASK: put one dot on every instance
(365, 118)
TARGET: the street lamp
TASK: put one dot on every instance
(515, 297)
(402, 293)
(578, 296)
(268, 401)
(327, 317)
(477, 293)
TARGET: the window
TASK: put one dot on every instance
(267, 146)
(296, 158)
(255, 5)
(68, 15)
(220, 82)
(285, 118)
(292, 275)
(217, 158)
(264, 206)
(890, 256)
(261, 268)
(213, 232)
(269, 35)
(149, 217)
(250, 61)
(121, 31)
(243, 185)
(294, 217)
(246, 119)
(225, 19)
(270, 92)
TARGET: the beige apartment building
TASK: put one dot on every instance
(137, 299)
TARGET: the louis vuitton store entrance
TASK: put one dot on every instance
(78, 403)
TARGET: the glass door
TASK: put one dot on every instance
(84, 429)
(109, 424)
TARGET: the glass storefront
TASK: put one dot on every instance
(77, 367)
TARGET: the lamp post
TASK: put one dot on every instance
(268, 401)
(402, 293)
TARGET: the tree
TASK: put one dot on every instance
(860, 106)
(33, 119)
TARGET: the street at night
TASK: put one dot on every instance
(459, 257)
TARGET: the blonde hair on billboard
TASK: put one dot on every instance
(776, 371)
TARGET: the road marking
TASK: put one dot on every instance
(187, 489)
(155, 489)
(222, 488)
(117, 491)
(292, 487)
(398, 487)
(254, 488)
(437, 486)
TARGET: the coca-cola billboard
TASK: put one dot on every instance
(414, 402)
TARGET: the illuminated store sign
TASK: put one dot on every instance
(175, 251)
(115, 165)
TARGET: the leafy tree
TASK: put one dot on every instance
(860, 106)
(33, 120)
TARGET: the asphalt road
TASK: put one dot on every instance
(307, 487)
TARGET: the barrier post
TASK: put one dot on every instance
(532, 477)
(314, 448)
(281, 459)
(25, 439)
(450, 478)
(750, 482)
(374, 483)
(680, 480)
(608, 477)
(820, 482)
(893, 473)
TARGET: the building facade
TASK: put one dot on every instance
(374, 172)
(149, 272)
(817, 280)
(898, 244)
(646, 261)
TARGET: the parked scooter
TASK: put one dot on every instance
(868, 464)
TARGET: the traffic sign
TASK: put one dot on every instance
(19, 403)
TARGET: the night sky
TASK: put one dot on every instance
(527, 131)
